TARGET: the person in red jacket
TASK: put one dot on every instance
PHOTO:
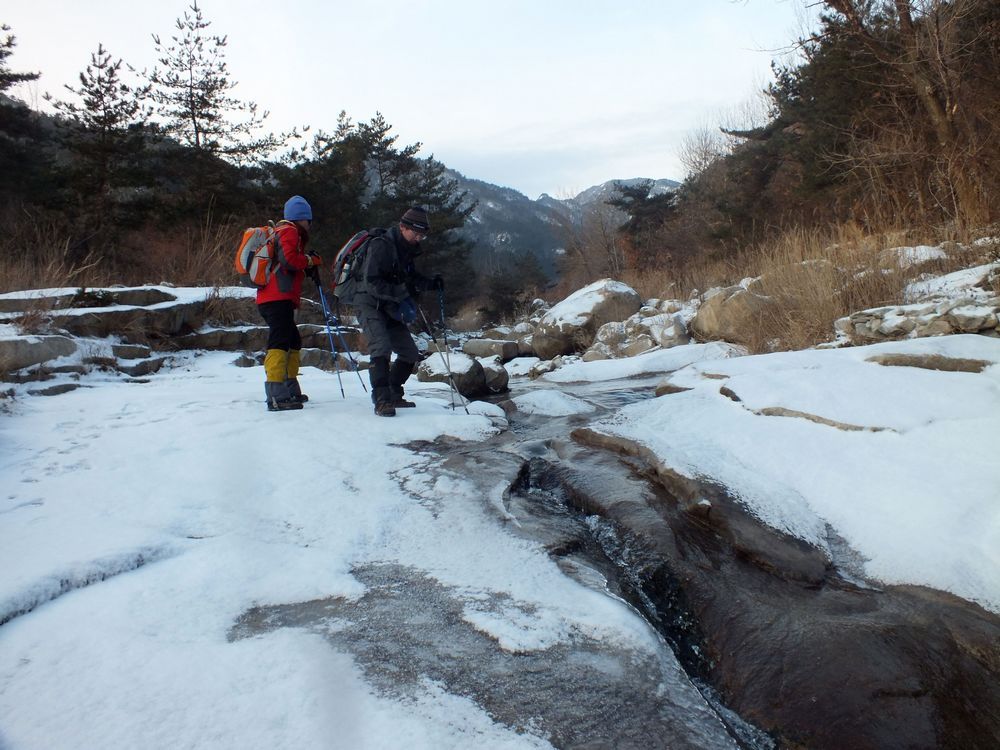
(278, 302)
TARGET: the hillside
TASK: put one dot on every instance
(506, 221)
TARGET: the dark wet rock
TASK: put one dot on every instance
(667, 388)
(581, 693)
(794, 646)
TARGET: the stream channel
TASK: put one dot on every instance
(765, 642)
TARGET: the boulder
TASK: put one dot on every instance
(572, 324)
(729, 314)
(647, 329)
(497, 377)
(469, 376)
(134, 323)
(505, 350)
(964, 315)
(526, 346)
(18, 353)
(130, 351)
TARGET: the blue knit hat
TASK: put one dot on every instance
(297, 208)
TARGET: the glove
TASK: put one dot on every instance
(437, 283)
(407, 311)
(313, 273)
(313, 260)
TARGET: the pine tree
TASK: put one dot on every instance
(192, 92)
(8, 77)
(24, 171)
(107, 137)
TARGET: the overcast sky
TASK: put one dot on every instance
(540, 95)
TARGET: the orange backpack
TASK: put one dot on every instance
(257, 255)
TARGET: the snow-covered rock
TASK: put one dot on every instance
(571, 325)
(467, 372)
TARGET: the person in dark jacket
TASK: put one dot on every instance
(385, 301)
(277, 303)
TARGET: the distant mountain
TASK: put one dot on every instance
(506, 221)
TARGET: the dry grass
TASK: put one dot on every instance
(815, 277)
(225, 311)
(859, 273)
(38, 254)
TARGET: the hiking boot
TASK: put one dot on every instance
(283, 405)
(385, 409)
(402, 403)
(295, 391)
(280, 398)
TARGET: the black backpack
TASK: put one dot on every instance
(349, 261)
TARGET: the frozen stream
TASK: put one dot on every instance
(409, 630)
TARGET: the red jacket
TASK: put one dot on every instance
(286, 281)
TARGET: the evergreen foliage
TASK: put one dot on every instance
(105, 131)
(192, 92)
(888, 121)
(8, 77)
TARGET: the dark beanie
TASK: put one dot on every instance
(416, 218)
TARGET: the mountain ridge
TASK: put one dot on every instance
(506, 222)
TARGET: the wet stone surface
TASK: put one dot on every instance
(409, 629)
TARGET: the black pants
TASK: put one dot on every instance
(280, 319)
(385, 336)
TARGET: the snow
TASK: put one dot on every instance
(551, 403)
(139, 521)
(964, 282)
(915, 491)
(440, 364)
(912, 256)
(654, 361)
(181, 295)
(521, 366)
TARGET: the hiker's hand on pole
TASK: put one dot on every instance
(313, 262)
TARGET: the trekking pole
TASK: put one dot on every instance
(447, 362)
(444, 335)
(329, 335)
(343, 342)
(347, 349)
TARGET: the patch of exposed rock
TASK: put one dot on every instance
(795, 648)
(654, 326)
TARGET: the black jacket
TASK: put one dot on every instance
(389, 274)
